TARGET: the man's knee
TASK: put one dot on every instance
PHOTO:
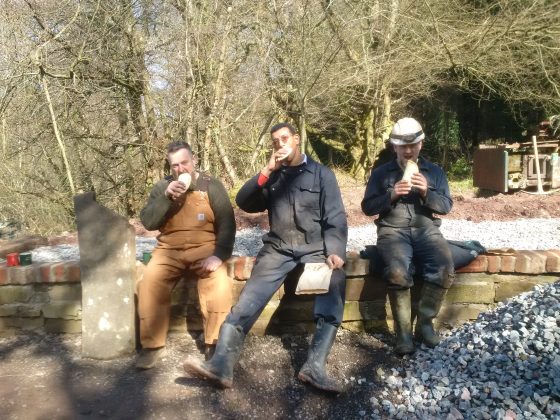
(338, 281)
(398, 276)
(441, 275)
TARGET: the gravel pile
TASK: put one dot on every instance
(505, 365)
(520, 234)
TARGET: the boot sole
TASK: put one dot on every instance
(195, 368)
(405, 351)
(308, 380)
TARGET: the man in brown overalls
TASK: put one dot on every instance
(197, 228)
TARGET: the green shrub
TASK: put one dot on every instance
(460, 169)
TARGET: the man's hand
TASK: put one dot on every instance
(206, 266)
(420, 184)
(175, 190)
(334, 261)
(401, 188)
(276, 160)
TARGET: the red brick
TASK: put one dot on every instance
(53, 272)
(230, 264)
(243, 268)
(552, 260)
(73, 274)
(45, 272)
(479, 265)
(58, 272)
(22, 274)
(530, 262)
(494, 263)
(508, 263)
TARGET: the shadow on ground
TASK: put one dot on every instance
(44, 377)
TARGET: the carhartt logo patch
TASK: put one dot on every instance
(200, 217)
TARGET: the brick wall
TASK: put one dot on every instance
(48, 296)
(40, 296)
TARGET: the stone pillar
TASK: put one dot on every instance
(107, 265)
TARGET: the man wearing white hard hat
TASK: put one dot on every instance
(195, 218)
(406, 193)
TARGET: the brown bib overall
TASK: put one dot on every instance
(186, 238)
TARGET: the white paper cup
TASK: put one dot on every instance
(285, 152)
(185, 179)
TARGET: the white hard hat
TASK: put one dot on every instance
(406, 131)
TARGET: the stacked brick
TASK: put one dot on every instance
(40, 296)
(48, 296)
(521, 262)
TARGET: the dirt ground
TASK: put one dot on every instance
(42, 376)
(472, 206)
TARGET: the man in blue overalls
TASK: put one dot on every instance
(408, 234)
(307, 225)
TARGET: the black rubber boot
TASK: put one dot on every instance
(428, 308)
(400, 307)
(313, 372)
(219, 369)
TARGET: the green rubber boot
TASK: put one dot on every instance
(400, 307)
(313, 371)
(428, 308)
(219, 369)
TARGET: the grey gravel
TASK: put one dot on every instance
(505, 365)
(519, 234)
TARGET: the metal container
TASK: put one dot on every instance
(508, 167)
(12, 259)
(25, 258)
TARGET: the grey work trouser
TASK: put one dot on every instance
(425, 248)
(273, 264)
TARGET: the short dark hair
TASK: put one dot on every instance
(178, 145)
(281, 125)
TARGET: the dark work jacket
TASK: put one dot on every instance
(158, 209)
(410, 210)
(303, 203)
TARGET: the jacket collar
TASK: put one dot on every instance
(306, 164)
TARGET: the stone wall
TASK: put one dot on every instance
(48, 296)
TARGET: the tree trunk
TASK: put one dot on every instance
(383, 127)
(217, 98)
(4, 141)
(359, 150)
(57, 134)
(230, 170)
(302, 130)
(445, 140)
(371, 131)
(263, 135)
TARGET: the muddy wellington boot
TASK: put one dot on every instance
(428, 308)
(219, 369)
(313, 372)
(400, 307)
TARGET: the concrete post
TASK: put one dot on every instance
(107, 265)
